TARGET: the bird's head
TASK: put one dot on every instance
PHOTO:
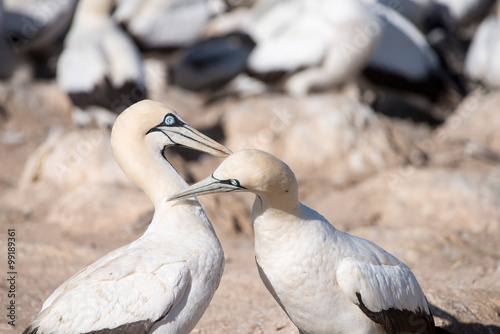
(160, 127)
(249, 170)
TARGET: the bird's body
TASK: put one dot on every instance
(161, 283)
(483, 57)
(36, 29)
(315, 270)
(100, 67)
(164, 24)
(164, 281)
(212, 63)
(403, 62)
(403, 57)
(325, 280)
(320, 44)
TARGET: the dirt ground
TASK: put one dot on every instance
(442, 219)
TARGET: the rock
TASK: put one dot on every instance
(438, 199)
(476, 119)
(73, 158)
(329, 136)
(99, 207)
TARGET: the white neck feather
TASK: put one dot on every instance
(146, 166)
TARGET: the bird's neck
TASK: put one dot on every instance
(147, 167)
(285, 204)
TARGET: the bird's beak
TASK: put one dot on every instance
(207, 186)
(189, 137)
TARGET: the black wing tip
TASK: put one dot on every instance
(138, 327)
(400, 321)
(31, 330)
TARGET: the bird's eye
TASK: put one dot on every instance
(234, 182)
(170, 120)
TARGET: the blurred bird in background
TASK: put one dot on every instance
(483, 58)
(164, 24)
(406, 59)
(100, 67)
(36, 29)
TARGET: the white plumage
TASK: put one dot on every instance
(325, 280)
(157, 24)
(402, 49)
(424, 14)
(328, 41)
(100, 66)
(164, 281)
(483, 57)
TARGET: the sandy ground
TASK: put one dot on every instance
(457, 265)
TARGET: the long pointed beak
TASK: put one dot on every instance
(189, 137)
(209, 185)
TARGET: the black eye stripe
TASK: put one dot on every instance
(232, 182)
(171, 120)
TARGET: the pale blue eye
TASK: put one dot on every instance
(169, 120)
(234, 182)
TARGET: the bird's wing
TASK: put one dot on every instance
(480, 61)
(165, 24)
(388, 293)
(126, 291)
(402, 48)
(73, 76)
(298, 45)
(82, 274)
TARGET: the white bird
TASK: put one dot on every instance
(101, 67)
(404, 61)
(163, 281)
(483, 57)
(164, 24)
(325, 280)
(404, 53)
(36, 28)
(320, 44)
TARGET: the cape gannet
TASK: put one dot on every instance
(35, 30)
(319, 44)
(483, 57)
(210, 64)
(164, 24)
(404, 62)
(163, 281)
(325, 280)
(100, 67)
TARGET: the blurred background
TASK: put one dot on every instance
(387, 111)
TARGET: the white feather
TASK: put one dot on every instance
(402, 48)
(374, 280)
(169, 23)
(328, 38)
(483, 58)
(125, 287)
(96, 49)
